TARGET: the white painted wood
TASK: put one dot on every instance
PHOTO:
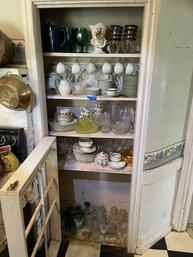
(100, 98)
(11, 201)
(14, 224)
(185, 187)
(92, 167)
(158, 193)
(88, 3)
(98, 134)
(151, 14)
(53, 195)
(33, 51)
(90, 55)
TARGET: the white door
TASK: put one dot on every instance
(35, 183)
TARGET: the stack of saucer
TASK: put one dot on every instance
(84, 150)
(129, 87)
(64, 121)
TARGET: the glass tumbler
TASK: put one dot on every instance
(105, 122)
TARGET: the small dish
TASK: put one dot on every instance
(111, 91)
(115, 157)
(88, 149)
(85, 142)
(92, 91)
(117, 165)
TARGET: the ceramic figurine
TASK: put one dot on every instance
(98, 37)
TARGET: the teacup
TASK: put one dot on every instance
(60, 68)
(64, 111)
(76, 68)
(115, 157)
(130, 69)
(119, 68)
(106, 68)
(90, 67)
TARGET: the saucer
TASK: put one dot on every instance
(117, 165)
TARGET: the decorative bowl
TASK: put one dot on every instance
(117, 165)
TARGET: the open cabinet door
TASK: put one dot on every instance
(158, 197)
(35, 183)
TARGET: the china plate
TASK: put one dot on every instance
(83, 150)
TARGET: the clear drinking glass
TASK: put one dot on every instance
(105, 122)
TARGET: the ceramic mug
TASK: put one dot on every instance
(76, 68)
(60, 68)
(119, 68)
(90, 67)
(130, 69)
(106, 68)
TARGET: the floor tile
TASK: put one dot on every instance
(83, 249)
(112, 251)
(161, 245)
(179, 241)
(179, 254)
(154, 253)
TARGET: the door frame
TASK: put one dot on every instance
(185, 187)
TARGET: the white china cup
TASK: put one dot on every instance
(64, 111)
(90, 68)
(119, 68)
(60, 68)
(76, 68)
(130, 69)
(106, 68)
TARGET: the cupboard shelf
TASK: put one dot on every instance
(92, 135)
(99, 98)
(90, 55)
(91, 167)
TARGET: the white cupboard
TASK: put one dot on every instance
(131, 187)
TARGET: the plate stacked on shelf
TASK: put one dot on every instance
(130, 83)
(63, 122)
(84, 151)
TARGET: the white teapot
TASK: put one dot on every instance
(64, 87)
(102, 159)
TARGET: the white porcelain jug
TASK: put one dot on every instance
(64, 87)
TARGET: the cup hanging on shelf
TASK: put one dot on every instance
(60, 68)
(106, 68)
(130, 69)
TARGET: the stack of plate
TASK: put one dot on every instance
(130, 83)
(63, 122)
(84, 153)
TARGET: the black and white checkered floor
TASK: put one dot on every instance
(173, 245)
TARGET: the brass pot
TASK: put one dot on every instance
(15, 94)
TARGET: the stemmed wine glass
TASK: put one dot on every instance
(82, 36)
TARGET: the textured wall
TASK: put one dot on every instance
(10, 18)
